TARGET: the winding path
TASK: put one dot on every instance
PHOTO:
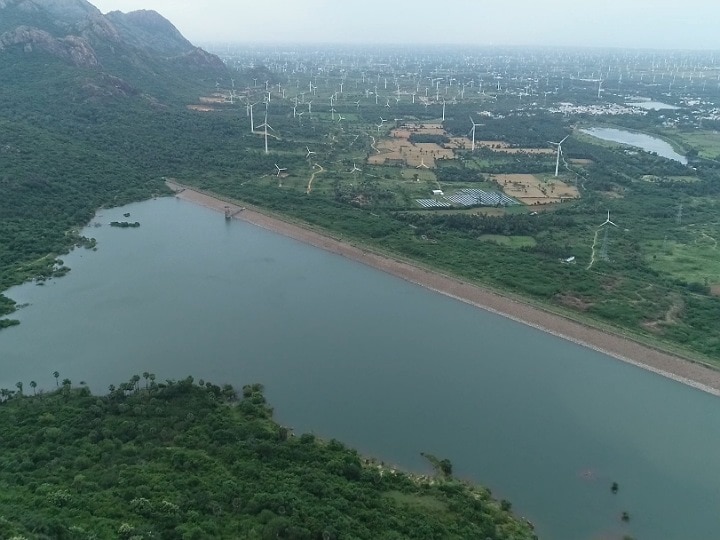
(592, 256)
(309, 186)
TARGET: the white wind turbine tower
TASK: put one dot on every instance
(559, 151)
(252, 120)
(280, 170)
(443, 116)
(474, 125)
(266, 126)
(309, 153)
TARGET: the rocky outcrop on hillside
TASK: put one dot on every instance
(78, 33)
(72, 49)
(127, 54)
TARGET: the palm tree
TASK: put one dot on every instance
(19, 387)
(67, 382)
(146, 376)
(33, 385)
(56, 374)
(134, 381)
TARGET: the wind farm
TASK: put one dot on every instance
(415, 139)
(574, 191)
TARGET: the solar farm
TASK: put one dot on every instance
(469, 197)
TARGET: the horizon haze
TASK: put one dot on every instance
(643, 24)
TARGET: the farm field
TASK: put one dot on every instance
(531, 190)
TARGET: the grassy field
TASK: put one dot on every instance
(706, 142)
(510, 241)
(698, 262)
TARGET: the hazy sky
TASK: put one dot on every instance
(681, 24)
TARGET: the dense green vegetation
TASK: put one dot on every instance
(181, 459)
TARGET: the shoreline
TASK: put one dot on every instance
(687, 372)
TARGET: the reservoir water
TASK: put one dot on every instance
(386, 366)
(639, 140)
(650, 105)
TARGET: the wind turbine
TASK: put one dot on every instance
(608, 221)
(280, 170)
(252, 121)
(309, 153)
(473, 132)
(355, 170)
(422, 164)
(559, 151)
(443, 118)
(604, 248)
(266, 126)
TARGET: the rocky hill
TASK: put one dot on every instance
(138, 47)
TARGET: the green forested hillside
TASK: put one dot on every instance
(190, 460)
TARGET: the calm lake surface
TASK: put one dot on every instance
(640, 140)
(386, 366)
(652, 105)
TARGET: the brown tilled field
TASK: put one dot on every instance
(398, 147)
(531, 190)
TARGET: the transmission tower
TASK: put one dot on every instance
(604, 248)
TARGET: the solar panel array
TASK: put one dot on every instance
(470, 197)
(432, 203)
(488, 198)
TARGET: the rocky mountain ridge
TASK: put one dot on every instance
(76, 32)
